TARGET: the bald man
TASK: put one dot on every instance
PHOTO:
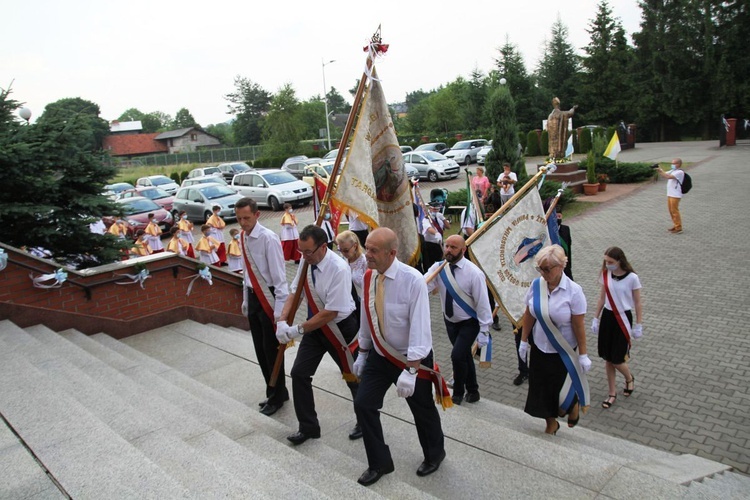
(395, 306)
(466, 312)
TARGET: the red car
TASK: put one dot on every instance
(161, 197)
(136, 214)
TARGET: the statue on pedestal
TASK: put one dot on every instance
(557, 129)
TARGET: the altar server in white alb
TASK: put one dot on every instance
(466, 311)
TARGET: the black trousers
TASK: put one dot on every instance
(431, 253)
(362, 235)
(379, 375)
(266, 348)
(312, 348)
(462, 335)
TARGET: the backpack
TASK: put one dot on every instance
(687, 183)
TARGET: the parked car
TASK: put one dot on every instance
(331, 155)
(158, 195)
(136, 211)
(465, 152)
(198, 201)
(323, 169)
(273, 188)
(229, 170)
(411, 171)
(204, 171)
(160, 181)
(406, 149)
(482, 154)
(205, 179)
(294, 159)
(438, 147)
(297, 168)
(113, 190)
(431, 165)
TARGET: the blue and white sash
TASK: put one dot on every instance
(459, 296)
(575, 381)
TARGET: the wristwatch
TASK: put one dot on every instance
(300, 330)
(412, 370)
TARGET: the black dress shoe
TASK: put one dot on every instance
(496, 326)
(371, 476)
(300, 437)
(263, 403)
(270, 408)
(456, 400)
(519, 379)
(472, 397)
(356, 433)
(428, 467)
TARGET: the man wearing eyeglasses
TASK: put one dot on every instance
(331, 326)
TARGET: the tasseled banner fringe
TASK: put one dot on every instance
(349, 377)
(444, 401)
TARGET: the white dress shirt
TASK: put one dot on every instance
(355, 224)
(565, 300)
(426, 224)
(265, 248)
(332, 284)
(468, 222)
(406, 311)
(472, 281)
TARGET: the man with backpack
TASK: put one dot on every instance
(676, 186)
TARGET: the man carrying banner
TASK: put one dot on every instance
(396, 307)
(432, 230)
(264, 284)
(467, 315)
(330, 328)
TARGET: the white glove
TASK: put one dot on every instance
(585, 362)
(405, 384)
(483, 339)
(523, 350)
(595, 325)
(637, 331)
(359, 364)
(285, 333)
(244, 302)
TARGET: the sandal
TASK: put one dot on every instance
(606, 404)
(629, 383)
(555, 432)
(572, 422)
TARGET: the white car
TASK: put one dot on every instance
(204, 171)
(431, 165)
(160, 181)
(482, 154)
(465, 152)
(203, 179)
(272, 188)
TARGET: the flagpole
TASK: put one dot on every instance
(500, 211)
(553, 204)
(373, 49)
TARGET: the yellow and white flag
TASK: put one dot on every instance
(373, 181)
(614, 147)
(505, 252)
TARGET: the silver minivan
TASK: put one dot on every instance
(198, 201)
(272, 188)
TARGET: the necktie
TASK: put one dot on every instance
(313, 268)
(448, 297)
(380, 301)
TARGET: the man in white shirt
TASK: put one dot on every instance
(467, 314)
(331, 326)
(432, 230)
(506, 182)
(400, 313)
(265, 293)
(674, 193)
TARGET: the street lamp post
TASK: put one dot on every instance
(325, 101)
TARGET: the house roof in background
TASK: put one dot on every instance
(134, 126)
(133, 144)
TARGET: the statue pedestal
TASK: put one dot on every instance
(570, 173)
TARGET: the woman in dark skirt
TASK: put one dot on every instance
(620, 295)
(566, 309)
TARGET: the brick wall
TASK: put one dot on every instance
(92, 302)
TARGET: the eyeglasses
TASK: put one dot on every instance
(545, 270)
(346, 250)
(308, 253)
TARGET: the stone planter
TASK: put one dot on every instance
(602, 186)
(590, 189)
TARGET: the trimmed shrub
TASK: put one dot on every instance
(532, 144)
(585, 141)
(522, 140)
(183, 175)
(544, 144)
(175, 176)
(456, 198)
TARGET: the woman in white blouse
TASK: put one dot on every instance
(351, 250)
(620, 295)
(561, 301)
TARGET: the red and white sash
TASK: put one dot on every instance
(332, 332)
(617, 307)
(261, 291)
(442, 395)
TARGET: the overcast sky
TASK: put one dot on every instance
(164, 55)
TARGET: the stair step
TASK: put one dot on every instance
(87, 458)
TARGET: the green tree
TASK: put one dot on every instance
(606, 83)
(504, 136)
(131, 115)
(311, 114)
(183, 119)
(282, 129)
(248, 103)
(223, 131)
(336, 102)
(531, 105)
(558, 68)
(443, 111)
(151, 122)
(475, 102)
(53, 175)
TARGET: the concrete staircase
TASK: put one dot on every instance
(172, 413)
